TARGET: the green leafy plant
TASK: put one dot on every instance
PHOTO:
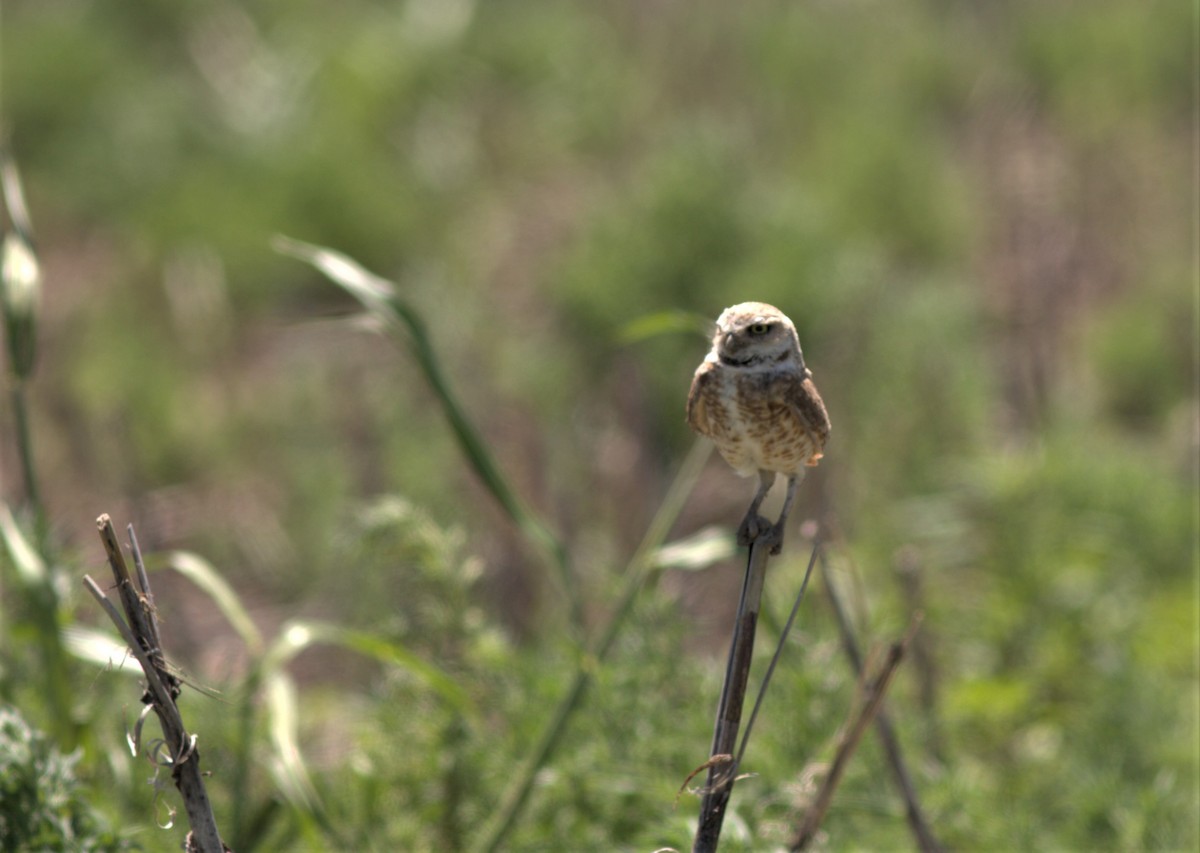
(43, 805)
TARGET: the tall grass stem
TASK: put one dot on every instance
(515, 797)
(380, 298)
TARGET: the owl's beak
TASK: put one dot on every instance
(727, 341)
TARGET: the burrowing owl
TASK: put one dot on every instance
(753, 396)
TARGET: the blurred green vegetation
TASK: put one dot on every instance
(42, 806)
(977, 214)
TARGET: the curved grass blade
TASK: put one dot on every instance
(702, 549)
(20, 296)
(38, 580)
(379, 297)
(204, 575)
(30, 566)
(664, 323)
(287, 763)
(101, 648)
(297, 636)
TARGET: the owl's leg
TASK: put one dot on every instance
(777, 530)
(754, 525)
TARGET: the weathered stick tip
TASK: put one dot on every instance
(103, 521)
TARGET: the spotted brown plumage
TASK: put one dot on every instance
(755, 398)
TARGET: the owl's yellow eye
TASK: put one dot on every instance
(759, 328)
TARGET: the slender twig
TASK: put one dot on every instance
(921, 830)
(924, 662)
(143, 621)
(139, 629)
(787, 629)
(873, 691)
(143, 579)
(722, 774)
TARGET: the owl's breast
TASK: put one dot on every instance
(755, 427)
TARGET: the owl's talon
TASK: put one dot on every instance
(774, 536)
(752, 527)
(756, 530)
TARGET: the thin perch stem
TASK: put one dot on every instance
(722, 774)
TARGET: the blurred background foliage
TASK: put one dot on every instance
(980, 216)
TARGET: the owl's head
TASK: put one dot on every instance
(754, 333)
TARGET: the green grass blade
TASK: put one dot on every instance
(287, 765)
(297, 636)
(30, 566)
(664, 323)
(699, 551)
(204, 575)
(379, 297)
(287, 762)
(42, 610)
(101, 648)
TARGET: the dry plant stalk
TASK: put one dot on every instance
(923, 833)
(139, 628)
(909, 573)
(873, 691)
(723, 773)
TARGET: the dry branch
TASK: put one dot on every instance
(926, 841)
(139, 628)
(924, 663)
(873, 691)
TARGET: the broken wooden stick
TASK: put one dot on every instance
(139, 628)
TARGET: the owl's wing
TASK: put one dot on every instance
(697, 406)
(800, 395)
